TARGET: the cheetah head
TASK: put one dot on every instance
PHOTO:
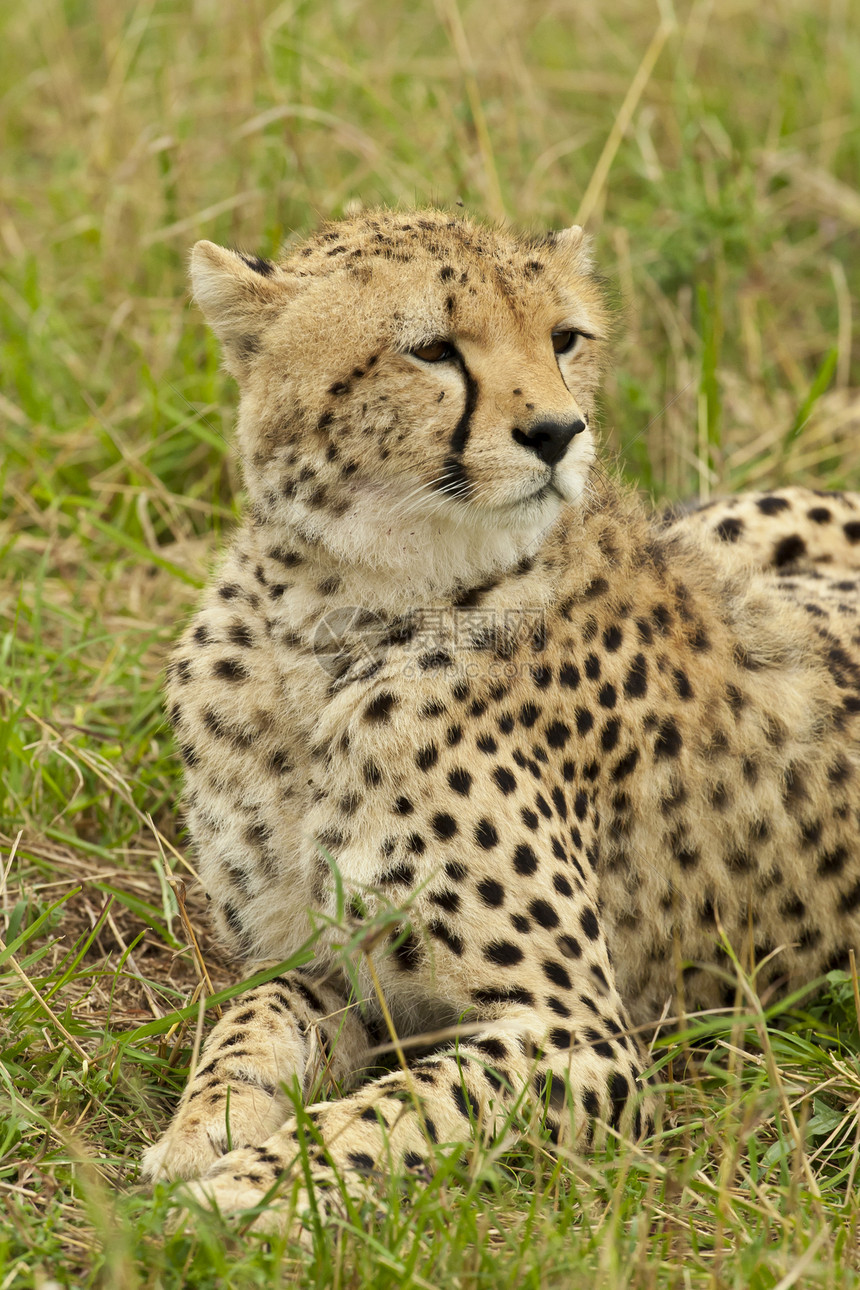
(411, 373)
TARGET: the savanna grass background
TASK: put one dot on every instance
(714, 150)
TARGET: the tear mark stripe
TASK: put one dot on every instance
(460, 437)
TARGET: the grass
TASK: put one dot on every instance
(715, 151)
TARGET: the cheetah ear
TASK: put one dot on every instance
(570, 237)
(238, 295)
(575, 243)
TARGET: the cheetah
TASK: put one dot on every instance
(452, 684)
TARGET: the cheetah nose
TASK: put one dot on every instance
(549, 439)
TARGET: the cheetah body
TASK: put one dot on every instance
(448, 668)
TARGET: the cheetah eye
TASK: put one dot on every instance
(564, 340)
(437, 351)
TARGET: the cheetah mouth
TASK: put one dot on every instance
(550, 491)
(547, 490)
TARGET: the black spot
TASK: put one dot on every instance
(183, 671)
(361, 1161)
(443, 933)
(668, 742)
(504, 780)
(788, 550)
(609, 735)
(772, 505)
(607, 696)
(738, 861)
(625, 765)
(682, 684)
(584, 721)
(460, 780)
(832, 862)
(590, 1102)
(486, 834)
(568, 676)
(230, 669)
(544, 914)
(415, 844)
(434, 661)
(557, 734)
(598, 1042)
(558, 801)
(720, 796)
(849, 901)
(729, 529)
(588, 923)
(503, 953)
(619, 1091)
(372, 774)
(447, 900)
(525, 860)
(793, 907)
(492, 893)
(407, 953)
(794, 789)
(557, 974)
(465, 1102)
(241, 635)
(403, 806)
(687, 858)
(486, 744)
(379, 708)
(561, 885)
(514, 994)
(401, 873)
(492, 1048)
(444, 825)
(555, 1005)
(852, 531)
(432, 708)
(529, 714)
(427, 757)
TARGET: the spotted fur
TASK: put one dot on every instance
(580, 748)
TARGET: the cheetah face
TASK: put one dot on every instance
(420, 365)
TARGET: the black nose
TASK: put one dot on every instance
(549, 439)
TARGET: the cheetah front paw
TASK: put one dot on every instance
(238, 1183)
(180, 1153)
(197, 1139)
(250, 1179)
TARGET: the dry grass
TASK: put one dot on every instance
(715, 151)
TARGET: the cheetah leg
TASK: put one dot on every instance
(476, 1092)
(283, 1031)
